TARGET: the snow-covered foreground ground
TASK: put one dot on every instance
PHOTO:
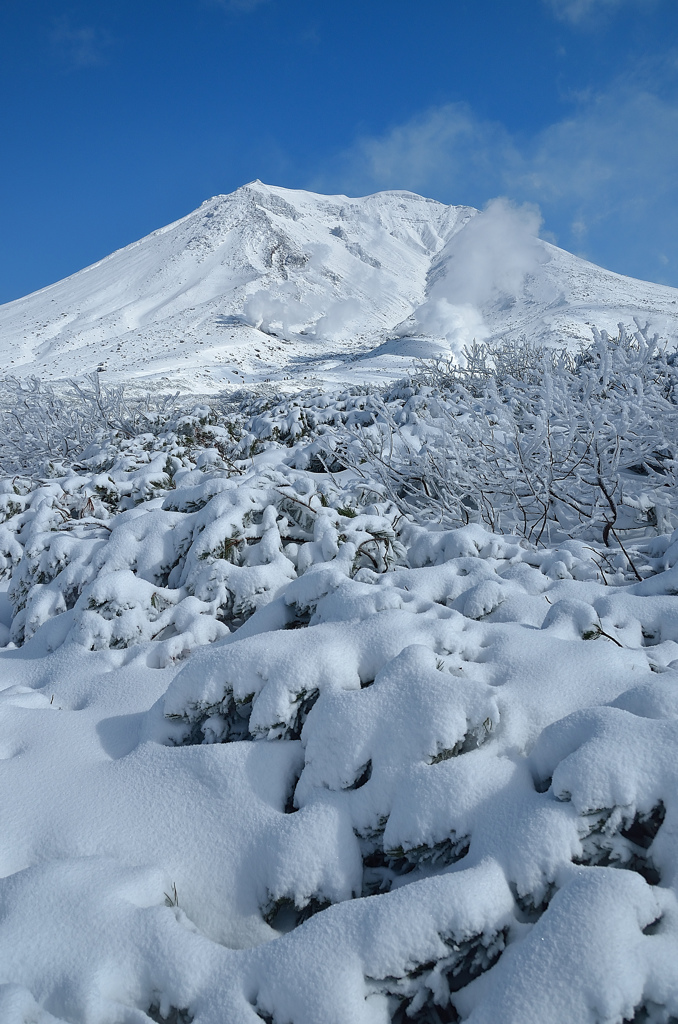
(273, 751)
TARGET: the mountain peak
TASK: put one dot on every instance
(270, 282)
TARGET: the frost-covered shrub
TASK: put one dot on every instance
(43, 426)
(170, 527)
(533, 441)
(217, 536)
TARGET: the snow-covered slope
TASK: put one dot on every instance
(309, 269)
(271, 283)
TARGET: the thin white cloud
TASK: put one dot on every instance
(618, 151)
(240, 6)
(580, 12)
(444, 147)
(79, 46)
(605, 176)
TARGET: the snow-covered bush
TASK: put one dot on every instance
(148, 534)
(362, 727)
(534, 441)
(179, 534)
(44, 427)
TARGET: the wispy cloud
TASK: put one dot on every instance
(586, 12)
(605, 176)
(618, 151)
(79, 46)
(240, 6)
(442, 148)
(593, 13)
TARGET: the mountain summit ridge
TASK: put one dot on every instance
(273, 283)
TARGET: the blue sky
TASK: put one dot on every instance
(119, 116)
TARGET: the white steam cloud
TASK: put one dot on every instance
(286, 316)
(491, 256)
(338, 318)
(282, 315)
(456, 323)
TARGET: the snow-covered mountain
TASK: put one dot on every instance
(307, 718)
(272, 283)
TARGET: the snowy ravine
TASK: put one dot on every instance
(272, 750)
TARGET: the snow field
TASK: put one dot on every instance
(271, 750)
